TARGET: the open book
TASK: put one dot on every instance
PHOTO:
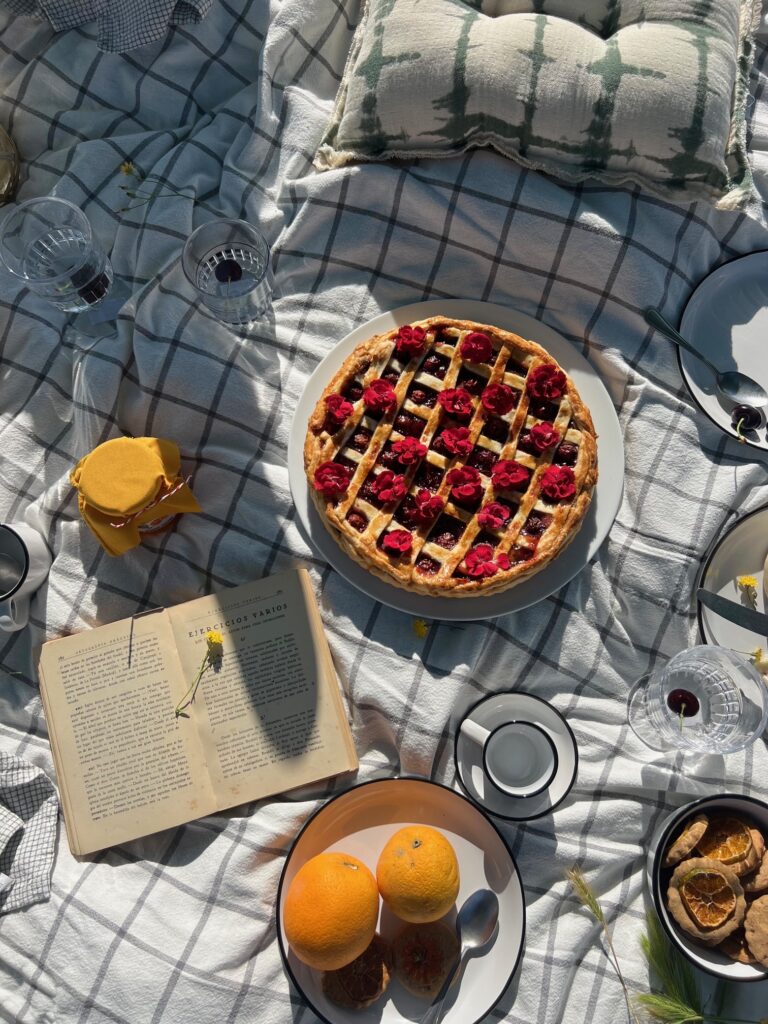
(268, 714)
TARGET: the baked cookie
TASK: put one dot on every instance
(364, 980)
(706, 899)
(756, 930)
(735, 947)
(451, 458)
(686, 841)
(729, 840)
(757, 883)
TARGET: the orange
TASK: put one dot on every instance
(330, 911)
(727, 840)
(418, 874)
(708, 898)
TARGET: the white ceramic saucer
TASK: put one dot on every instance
(504, 707)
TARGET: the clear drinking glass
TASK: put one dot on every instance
(227, 262)
(707, 700)
(48, 244)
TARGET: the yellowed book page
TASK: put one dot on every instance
(270, 717)
(126, 766)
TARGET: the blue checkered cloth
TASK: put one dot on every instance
(122, 24)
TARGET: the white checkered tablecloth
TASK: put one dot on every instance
(179, 927)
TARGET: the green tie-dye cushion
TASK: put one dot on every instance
(650, 91)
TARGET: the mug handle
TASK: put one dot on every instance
(474, 731)
(14, 614)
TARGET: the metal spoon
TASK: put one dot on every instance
(736, 387)
(475, 927)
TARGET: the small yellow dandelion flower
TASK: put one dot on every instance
(748, 586)
(420, 627)
(127, 167)
(214, 639)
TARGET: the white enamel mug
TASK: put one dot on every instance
(519, 758)
(24, 563)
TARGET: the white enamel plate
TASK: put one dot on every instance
(727, 320)
(597, 523)
(360, 822)
(741, 551)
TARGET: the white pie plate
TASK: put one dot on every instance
(597, 523)
(359, 822)
(740, 551)
(726, 318)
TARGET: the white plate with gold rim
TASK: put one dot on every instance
(359, 822)
(597, 522)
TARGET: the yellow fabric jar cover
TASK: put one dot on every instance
(127, 483)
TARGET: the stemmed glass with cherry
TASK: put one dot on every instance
(706, 700)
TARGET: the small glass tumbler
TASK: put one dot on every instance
(227, 262)
(706, 700)
(48, 244)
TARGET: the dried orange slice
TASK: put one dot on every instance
(727, 840)
(708, 897)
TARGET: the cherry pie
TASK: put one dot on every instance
(451, 458)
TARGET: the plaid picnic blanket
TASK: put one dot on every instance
(180, 926)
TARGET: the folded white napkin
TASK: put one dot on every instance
(121, 26)
(28, 812)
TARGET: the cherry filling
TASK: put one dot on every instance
(496, 429)
(525, 444)
(420, 394)
(360, 439)
(543, 410)
(426, 565)
(428, 476)
(519, 554)
(447, 532)
(566, 454)
(436, 364)
(486, 538)
(471, 382)
(387, 457)
(357, 520)
(536, 524)
(482, 459)
(391, 374)
(407, 514)
(683, 702)
(513, 366)
(409, 424)
(342, 460)
(353, 391)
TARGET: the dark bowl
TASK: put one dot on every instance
(748, 808)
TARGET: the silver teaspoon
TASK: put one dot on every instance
(475, 927)
(736, 387)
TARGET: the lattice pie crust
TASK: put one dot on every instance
(455, 546)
